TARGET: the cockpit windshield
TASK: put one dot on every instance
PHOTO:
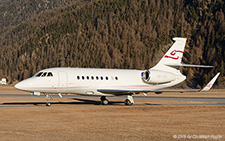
(49, 74)
(39, 74)
(44, 74)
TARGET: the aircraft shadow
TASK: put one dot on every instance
(95, 102)
(149, 104)
(77, 102)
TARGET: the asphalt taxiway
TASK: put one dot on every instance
(115, 101)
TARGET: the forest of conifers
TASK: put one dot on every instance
(125, 34)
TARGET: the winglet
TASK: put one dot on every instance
(210, 84)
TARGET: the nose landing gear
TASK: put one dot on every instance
(48, 98)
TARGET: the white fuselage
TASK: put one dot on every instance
(87, 81)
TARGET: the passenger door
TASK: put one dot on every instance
(62, 81)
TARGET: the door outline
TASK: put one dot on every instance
(62, 81)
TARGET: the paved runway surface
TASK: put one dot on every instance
(86, 99)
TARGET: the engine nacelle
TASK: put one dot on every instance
(157, 77)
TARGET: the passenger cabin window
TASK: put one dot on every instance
(39, 74)
(96, 77)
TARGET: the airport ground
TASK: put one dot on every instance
(27, 118)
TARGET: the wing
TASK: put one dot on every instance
(127, 92)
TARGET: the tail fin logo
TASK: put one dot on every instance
(173, 53)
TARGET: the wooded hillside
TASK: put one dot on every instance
(13, 12)
(117, 34)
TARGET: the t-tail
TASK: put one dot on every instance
(163, 73)
(171, 61)
(167, 70)
(172, 57)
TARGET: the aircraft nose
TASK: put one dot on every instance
(23, 85)
(18, 86)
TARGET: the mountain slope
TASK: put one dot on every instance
(16, 11)
(117, 34)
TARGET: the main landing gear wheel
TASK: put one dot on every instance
(128, 102)
(104, 101)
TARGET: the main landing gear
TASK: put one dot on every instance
(104, 101)
(129, 101)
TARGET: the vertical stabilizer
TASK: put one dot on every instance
(173, 56)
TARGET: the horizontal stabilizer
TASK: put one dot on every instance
(189, 65)
(210, 84)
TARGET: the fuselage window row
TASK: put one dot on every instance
(96, 78)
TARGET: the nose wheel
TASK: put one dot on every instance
(48, 104)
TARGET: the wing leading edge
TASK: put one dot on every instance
(126, 92)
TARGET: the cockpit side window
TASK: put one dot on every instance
(44, 74)
(50, 74)
(39, 74)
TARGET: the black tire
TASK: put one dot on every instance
(105, 102)
(48, 104)
(128, 102)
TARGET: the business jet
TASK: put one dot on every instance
(112, 82)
